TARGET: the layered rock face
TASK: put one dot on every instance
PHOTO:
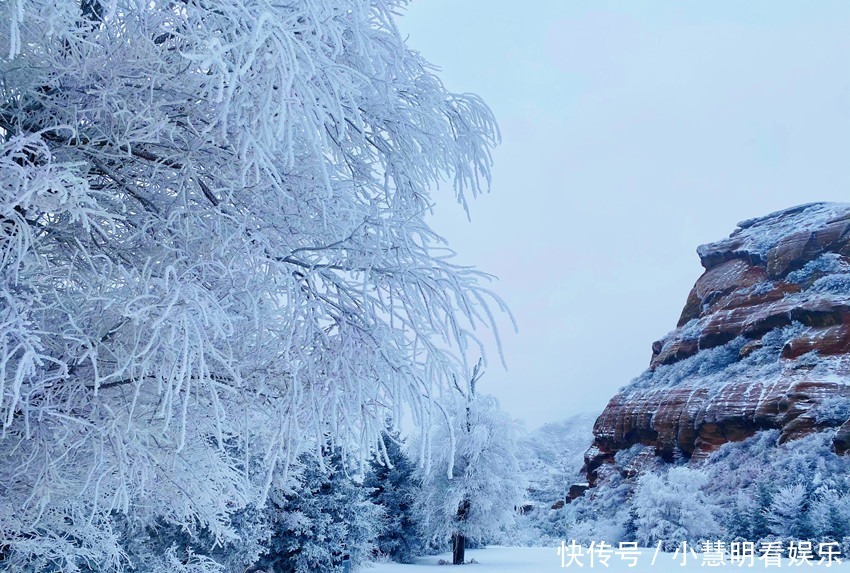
(763, 343)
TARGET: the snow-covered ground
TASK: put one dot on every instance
(546, 559)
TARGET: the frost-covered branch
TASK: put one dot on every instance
(214, 253)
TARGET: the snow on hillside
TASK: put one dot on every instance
(552, 455)
(550, 458)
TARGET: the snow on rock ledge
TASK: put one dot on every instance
(763, 343)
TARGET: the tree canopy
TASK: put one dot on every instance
(213, 252)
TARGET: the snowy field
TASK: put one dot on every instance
(546, 559)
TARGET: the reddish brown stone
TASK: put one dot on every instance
(726, 250)
(741, 293)
(692, 310)
(754, 321)
(695, 421)
(749, 348)
(833, 236)
(576, 490)
(772, 293)
(725, 278)
(675, 351)
(792, 252)
(826, 341)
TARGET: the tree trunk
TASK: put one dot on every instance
(458, 548)
(459, 539)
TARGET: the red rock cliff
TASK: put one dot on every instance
(763, 343)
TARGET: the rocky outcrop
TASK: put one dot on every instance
(763, 342)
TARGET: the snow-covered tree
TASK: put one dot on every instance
(394, 486)
(672, 508)
(749, 490)
(603, 513)
(473, 485)
(213, 245)
(786, 516)
(325, 520)
(747, 516)
(169, 548)
(829, 514)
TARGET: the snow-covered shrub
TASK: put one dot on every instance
(834, 410)
(692, 329)
(798, 489)
(710, 364)
(156, 548)
(829, 513)
(603, 513)
(837, 284)
(758, 289)
(751, 490)
(551, 458)
(722, 364)
(825, 264)
(745, 517)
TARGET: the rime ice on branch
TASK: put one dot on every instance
(213, 247)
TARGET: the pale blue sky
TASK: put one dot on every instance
(632, 132)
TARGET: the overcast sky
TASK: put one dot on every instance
(632, 132)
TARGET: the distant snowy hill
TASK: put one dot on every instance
(552, 455)
(551, 458)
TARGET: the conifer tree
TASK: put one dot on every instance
(394, 487)
(324, 521)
